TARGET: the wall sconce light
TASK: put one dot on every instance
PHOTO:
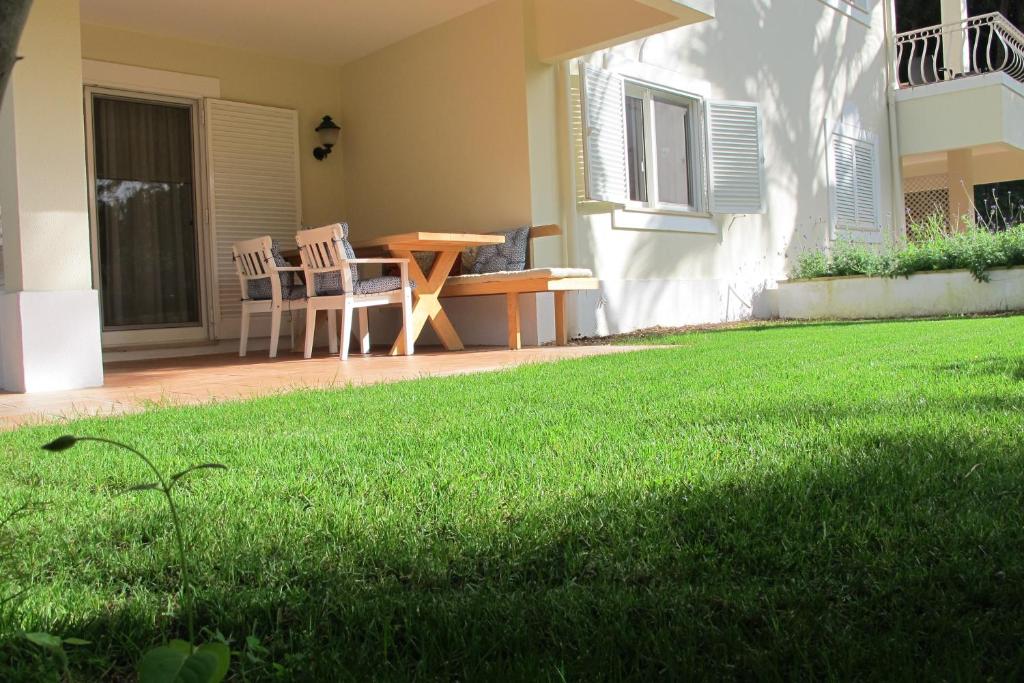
(328, 132)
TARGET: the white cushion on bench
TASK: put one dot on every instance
(530, 274)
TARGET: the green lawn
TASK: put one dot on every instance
(816, 501)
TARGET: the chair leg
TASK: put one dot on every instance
(291, 327)
(275, 330)
(346, 328)
(310, 331)
(332, 330)
(407, 321)
(364, 331)
(243, 341)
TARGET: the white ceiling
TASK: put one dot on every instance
(325, 31)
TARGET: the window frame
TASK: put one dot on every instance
(857, 136)
(696, 148)
(858, 10)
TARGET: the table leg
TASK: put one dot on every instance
(515, 340)
(426, 305)
(561, 331)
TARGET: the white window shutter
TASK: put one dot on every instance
(844, 181)
(854, 166)
(867, 194)
(253, 158)
(604, 135)
(735, 158)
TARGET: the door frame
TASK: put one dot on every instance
(202, 332)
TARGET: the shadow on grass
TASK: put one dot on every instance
(1000, 366)
(905, 564)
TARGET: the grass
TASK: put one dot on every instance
(794, 501)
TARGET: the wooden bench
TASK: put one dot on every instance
(529, 281)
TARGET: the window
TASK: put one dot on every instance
(853, 180)
(856, 9)
(660, 130)
(647, 147)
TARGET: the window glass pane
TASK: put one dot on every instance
(145, 214)
(672, 136)
(635, 149)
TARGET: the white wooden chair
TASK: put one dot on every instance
(259, 276)
(333, 283)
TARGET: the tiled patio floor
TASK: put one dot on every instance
(130, 386)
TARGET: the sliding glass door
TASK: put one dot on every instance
(147, 242)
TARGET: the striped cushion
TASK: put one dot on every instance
(510, 256)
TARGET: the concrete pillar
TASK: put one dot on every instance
(960, 164)
(49, 312)
(954, 45)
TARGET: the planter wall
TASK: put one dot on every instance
(948, 292)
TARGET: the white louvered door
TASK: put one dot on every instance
(604, 135)
(735, 158)
(253, 169)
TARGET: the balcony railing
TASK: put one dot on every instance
(983, 44)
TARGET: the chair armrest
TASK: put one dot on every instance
(402, 263)
(349, 261)
(330, 269)
(289, 269)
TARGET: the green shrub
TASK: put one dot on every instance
(929, 247)
(812, 264)
(850, 258)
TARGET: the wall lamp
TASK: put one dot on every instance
(328, 132)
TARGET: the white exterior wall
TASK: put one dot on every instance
(803, 63)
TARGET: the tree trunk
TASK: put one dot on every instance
(13, 14)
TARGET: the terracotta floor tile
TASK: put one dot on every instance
(131, 386)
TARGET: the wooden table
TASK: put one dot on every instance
(426, 305)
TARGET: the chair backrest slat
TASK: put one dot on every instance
(254, 260)
(322, 248)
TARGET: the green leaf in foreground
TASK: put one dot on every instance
(174, 663)
(77, 641)
(45, 640)
(61, 443)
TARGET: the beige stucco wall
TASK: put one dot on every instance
(42, 159)
(564, 25)
(250, 77)
(570, 28)
(436, 128)
(803, 63)
(49, 313)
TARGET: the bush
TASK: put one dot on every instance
(929, 247)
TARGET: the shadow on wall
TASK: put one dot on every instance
(828, 71)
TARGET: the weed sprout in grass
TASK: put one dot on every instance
(178, 660)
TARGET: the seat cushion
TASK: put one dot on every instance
(532, 273)
(261, 290)
(379, 285)
(510, 256)
(373, 285)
